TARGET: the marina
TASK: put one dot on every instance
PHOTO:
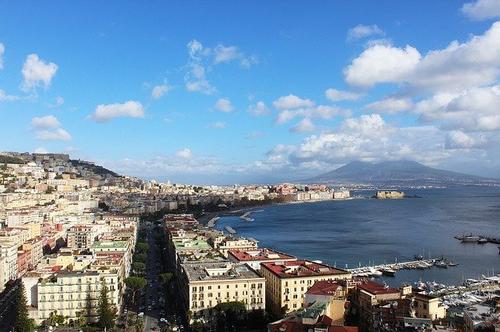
(391, 268)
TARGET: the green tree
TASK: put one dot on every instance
(140, 258)
(230, 316)
(142, 247)
(135, 284)
(138, 266)
(166, 277)
(106, 315)
(22, 321)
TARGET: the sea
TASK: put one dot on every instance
(366, 231)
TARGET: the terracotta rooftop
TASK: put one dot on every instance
(324, 287)
(376, 288)
(301, 268)
(259, 254)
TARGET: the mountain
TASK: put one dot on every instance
(402, 172)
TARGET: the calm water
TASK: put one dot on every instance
(346, 233)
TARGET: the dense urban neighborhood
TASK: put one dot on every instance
(85, 249)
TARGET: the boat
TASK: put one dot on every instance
(230, 230)
(482, 241)
(452, 264)
(419, 257)
(470, 239)
(388, 272)
(375, 273)
(441, 264)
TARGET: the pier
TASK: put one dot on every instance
(391, 268)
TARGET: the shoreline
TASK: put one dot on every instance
(206, 218)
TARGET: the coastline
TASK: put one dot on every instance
(206, 218)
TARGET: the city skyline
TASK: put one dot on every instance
(252, 92)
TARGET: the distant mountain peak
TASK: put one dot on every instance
(396, 172)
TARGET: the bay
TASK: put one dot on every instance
(369, 231)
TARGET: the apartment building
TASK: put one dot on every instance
(288, 282)
(71, 294)
(204, 285)
(81, 237)
(428, 306)
(8, 251)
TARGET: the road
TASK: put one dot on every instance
(154, 291)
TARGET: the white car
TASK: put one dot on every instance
(140, 314)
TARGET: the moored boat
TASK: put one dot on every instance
(388, 272)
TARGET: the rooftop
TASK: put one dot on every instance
(109, 244)
(218, 271)
(262, 254)
(376, 288)
(324, 287)
(302, 268)
(191, 244)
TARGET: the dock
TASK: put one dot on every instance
(422, 264)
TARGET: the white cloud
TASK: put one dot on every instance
(159, 90)
(45, 122)
(224, 105)
(36, 72)
(58, 102)
(367, 138)
(303, 126)
(362, 31)
(58, 134)
(218, 125)
(48, 128)
(320, 111)
(475, 109)
(2, 51)
(454, 68)
(226, 54)
(184, 153)
(382, 64)
(459, 140)
(390, 105)
(203, 59)
(258, 109)
(40, 150)
(196, 80)
(6, 97)
(339, 95)
(482, 9)
(103, 113)
(291, 102)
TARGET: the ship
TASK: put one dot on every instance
(441, 264)
(468, 238)
(388, 272)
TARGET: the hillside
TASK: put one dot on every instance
(402, 172)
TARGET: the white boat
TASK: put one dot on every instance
(230, 230)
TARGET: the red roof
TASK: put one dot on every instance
(301, 268)
(257, 254)
(324, 287)
(375, 288)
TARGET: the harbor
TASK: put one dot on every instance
(391, 268)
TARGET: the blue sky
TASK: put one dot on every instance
(233, 91)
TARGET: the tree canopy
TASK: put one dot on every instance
(22, 321)
(106, 315)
